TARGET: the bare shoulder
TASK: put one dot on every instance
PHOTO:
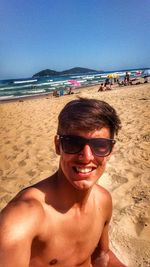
(102, 192)
(22, 217)
(104, 200)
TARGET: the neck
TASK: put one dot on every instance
(68, 195)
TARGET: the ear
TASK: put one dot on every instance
(57, 145)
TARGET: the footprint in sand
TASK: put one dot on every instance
(7, 142)
(15, 148)
(117, 181)
(31, 173)
(141, 223)
(29, 142)
(22, 163)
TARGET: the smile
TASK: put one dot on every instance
(83, 170)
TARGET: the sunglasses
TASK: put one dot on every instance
(72, 144)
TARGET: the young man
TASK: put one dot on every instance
(63, 220)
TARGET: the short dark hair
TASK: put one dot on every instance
(87, 115)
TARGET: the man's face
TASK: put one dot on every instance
(83, 169)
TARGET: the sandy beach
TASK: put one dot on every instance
(27, 155)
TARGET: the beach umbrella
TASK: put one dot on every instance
(138, 72)
(146, 73)
(110, 76)
(113, 75)
(74, 82)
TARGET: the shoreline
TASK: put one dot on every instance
(50, 94)
(74, 90)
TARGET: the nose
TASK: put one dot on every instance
(86, 154)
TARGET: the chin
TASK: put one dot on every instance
(83, 185)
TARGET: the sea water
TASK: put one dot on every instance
(19, 88)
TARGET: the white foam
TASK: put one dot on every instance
(16, 87)
(25, 81)
(36, 91)
(6, 97)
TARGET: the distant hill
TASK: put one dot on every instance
(46, 72)
(76, 70)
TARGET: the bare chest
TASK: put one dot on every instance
(69, 241)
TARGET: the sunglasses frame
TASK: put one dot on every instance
(88, 141)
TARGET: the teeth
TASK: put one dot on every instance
(83, 170)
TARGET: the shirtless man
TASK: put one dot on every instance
(63, 220)
(127, 78)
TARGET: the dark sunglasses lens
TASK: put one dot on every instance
(71, 144)
(102, 147)
(74, 144)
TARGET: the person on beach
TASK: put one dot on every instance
(70, 91)
(127, 78)
(107, 84)
(63, 220)
(55, 93)
(101, 88)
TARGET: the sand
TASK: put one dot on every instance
(27, 155)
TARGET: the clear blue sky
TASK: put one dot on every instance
(61, 34)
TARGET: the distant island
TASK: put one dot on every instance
(76, 70)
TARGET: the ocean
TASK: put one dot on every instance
(20, 88)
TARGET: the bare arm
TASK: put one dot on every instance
(103, 256)
(19, 224)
